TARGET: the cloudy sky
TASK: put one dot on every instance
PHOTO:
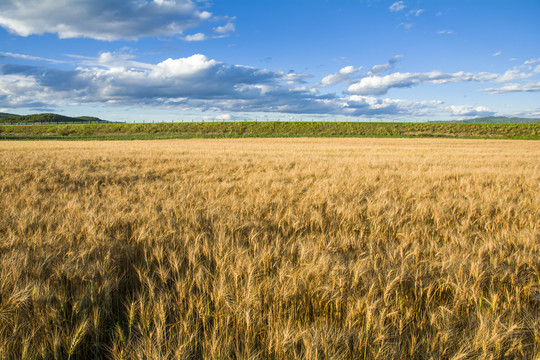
(174, 60)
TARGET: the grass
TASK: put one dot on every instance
(270, 249)
(268, 129)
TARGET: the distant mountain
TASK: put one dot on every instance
(500, 120)
(90, 118)
(48, 118)
(5, 115)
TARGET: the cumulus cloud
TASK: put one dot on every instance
(21, 90)
(194, 82)
(112, 60)
(397, 6)
(102, 19)
(379, 85)
(356, 104)
(191, 82)
(532, 113)
(198, 82)
(299, 103)
(195, 37)
(223, 117)
(533, 64)
(293, 78)
(378, 69)
(343, 74)
(219, 32)
(466, 110)
(351, 74)
(514, 74)
(194, 76)
(227, 28)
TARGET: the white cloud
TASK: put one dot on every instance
(224, 117)
(378, 69)
(416, 12)
(397, 6)
(220, 31)
(509, 88)
(201, 83)
(531, 113)
(532, 62)
(373, 106)
(194, 82)
(183, 67)
(511, 75)
(350, 73)
(379, 85)
(445, 32)
(293, 78)
(115, 60)
(194, 76)
(466, 110)
(497, 53)
(195, 37)
(17, 84)
(342, 75)
(28, 57)
(17, 91)
(205, 15)
(101, 19)
(227, 28)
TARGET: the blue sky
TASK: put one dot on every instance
(174, 60)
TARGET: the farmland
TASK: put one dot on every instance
(268, 129)
(270, 248)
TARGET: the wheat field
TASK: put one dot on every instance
(270, 249)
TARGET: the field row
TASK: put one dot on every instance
(270, 129)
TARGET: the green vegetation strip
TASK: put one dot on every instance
(267, 129)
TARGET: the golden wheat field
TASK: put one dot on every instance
(270, 249)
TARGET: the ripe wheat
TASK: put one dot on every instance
(270, 249)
